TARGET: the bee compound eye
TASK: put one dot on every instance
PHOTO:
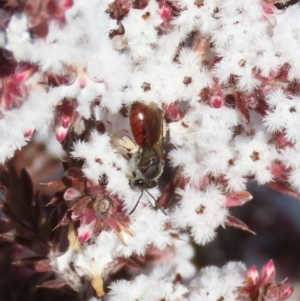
(153, 162)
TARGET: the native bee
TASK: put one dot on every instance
(146, 123)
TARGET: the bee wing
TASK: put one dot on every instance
(164, 129)
(126, 145)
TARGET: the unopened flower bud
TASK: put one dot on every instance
(252, 276)
(268, 272)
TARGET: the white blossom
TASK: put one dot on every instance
(230, 71)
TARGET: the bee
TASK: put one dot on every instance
(146, 123)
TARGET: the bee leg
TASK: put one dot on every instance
(136, 203)
(156, 203)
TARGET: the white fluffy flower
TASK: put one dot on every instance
(214, 283)
(201, 212)
(156, 286)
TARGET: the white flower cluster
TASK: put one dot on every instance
(232, 68)
(210, 284)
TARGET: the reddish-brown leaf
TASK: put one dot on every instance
(79, 207)
(284, 188)
(37, 263)
(57, 199)
(54, 284)
(79, 183)
(65, 220)
(74, 173)
(236, 223)
(57, 185)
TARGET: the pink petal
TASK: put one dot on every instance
(238, 198)
(29, 131)
(71, 194)
(173, 112)
(287, 290)
(252, 276)
(268, 8)
(66, 4)
(61, 133)
(165, 12)
(85, 232)
(80, 208)
(113, 224)
(216, 102)
(268, 272)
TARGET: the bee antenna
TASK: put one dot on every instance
(156, 203)
(136, 203)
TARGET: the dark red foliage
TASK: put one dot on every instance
(25, 211)
(7, 63)
(26, 239)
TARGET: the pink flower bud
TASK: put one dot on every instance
(64, 116)
(66, 4)
(71, 194)
(85, 232)
(29, 131)
(173, 112)
(216, 102)
(252, 276)
(165, 12)
(67, 113)
(268, 8)
(268, 272)
(61, 133)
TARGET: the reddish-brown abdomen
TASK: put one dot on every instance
(146, 123)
